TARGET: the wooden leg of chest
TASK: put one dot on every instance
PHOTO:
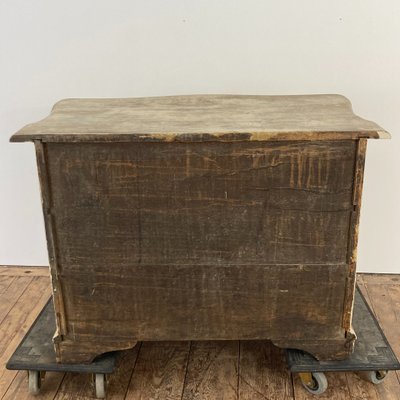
(76, 351)
(72, 351)
(323, 349)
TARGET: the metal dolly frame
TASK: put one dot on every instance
(36, 355)
(373, 356)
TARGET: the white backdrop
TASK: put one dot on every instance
(97, 48)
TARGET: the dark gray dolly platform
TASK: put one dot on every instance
(373, 356)
(36, 355)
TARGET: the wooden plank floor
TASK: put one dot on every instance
(186, 370)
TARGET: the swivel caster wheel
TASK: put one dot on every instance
(375, 377)
(314, 382)
(100, 385)
(34, 382)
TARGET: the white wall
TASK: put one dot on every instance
(97, 48)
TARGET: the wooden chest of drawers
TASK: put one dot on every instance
(202, 217)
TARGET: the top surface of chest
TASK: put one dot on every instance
(202, 118)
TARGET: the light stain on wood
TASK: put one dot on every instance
(5, 282)
(12, 292)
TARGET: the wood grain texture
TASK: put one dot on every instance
(75, 386)
(228, 308)
(118, 382)
(263, 373)
(171, 303)
(360, 389)
(17, 322)
(391, 389)
(203, 118)
(160, 371)
(15, 288)
(199, 203)
(18, 390)
(148, 238)
(5, 282)
(212, 372)
(380, 279)
(17, 270)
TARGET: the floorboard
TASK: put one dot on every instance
(6, 270)
(12, 293)
(159, 372)
(228, 370)
(359, 389)
(5, 282)
(212, 371)
(263, 372)
(18, 388)
(17, 322)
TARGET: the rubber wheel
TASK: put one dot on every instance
(100, 386)
(375, 377)
(319, 383)
(34, 382)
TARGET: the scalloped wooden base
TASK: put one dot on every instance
(83, 352)
(326, 349)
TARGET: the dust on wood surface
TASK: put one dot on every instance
(202, 118)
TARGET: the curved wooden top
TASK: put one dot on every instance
(202, 118)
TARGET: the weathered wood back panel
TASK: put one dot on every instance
(203, 240)
(242, 203)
